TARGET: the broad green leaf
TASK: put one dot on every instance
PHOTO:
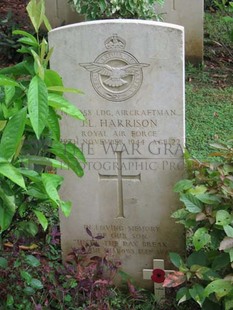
(36, 12)
(197, 258)
(28, 41)
(7, 207)
(228, 230)
(102, 5)
(37, 192)
(197, 293)
(36, 284)
(223, 218)
(9, 94)
(38, 105)
(22, 68)
(10, 301)
(182, 295)
(204, 273)
(46, 61)
(43, 161)
(228, 19)
(53, 124)
(176, 259)
(219, 287)
(8, 201)
(62, 89)
(69, 159)
(31, 174)
(3, 262)
(29, 291)
(221, 261)
(26, 276)
(46, 23)
(32, 261)
(6, 217)
(12, 134)
(38, 67)
(64, 105)
(28, 227)
(27, 35)
(12, 173)
(191, 203)
(229, 298)
(42, 219)
(183, 185)
(74, 150)
(208, 199)
(52, 78)
(51, 182)
(180, 214)
(43, 49)
(200, 238)
(66, 207)
(19, 147)
(5, 81)
(198, 190)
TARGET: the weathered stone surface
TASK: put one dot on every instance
(59, 13)
(190, 14)
(132, 74)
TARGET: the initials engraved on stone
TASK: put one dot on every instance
(119, 177)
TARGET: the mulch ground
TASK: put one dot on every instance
(18, 8)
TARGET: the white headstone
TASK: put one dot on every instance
(132, 74)
(59, 13)
(190, 14)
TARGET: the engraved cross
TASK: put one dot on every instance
(119, 177)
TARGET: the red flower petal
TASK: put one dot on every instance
(158, 276)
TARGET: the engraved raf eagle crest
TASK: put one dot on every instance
(116, 75)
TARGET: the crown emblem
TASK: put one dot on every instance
(115, 43)
(116, 75)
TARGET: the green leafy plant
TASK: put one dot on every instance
(207, 214)
(143, 9)
(31, 97)
(41, 281)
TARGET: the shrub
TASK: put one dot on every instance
(31, 97)
(207, 214)
(143, 9)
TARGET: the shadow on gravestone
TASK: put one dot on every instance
(132, 75)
